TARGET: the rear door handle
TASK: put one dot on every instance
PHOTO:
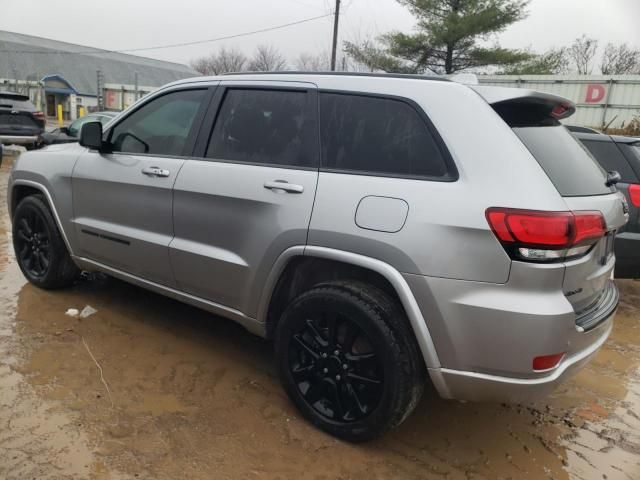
(284, 185)
(156, 172)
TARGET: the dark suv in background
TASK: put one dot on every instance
(21, 123)
(622, 154)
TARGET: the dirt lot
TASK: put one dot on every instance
(192, 396)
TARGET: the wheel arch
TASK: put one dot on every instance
(300, 268)
(21, 189)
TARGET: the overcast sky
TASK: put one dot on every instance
(126, 24)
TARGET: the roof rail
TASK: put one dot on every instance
(407, 76)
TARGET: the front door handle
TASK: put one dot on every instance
(156, 172)
(284, 186)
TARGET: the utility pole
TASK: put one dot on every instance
(336, 19)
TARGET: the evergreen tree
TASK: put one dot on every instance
(447, 38)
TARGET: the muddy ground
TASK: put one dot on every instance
(192, 396)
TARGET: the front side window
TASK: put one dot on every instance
(270, 127)
(160, 127)
(377, 136)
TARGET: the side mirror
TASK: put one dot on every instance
(91, 135)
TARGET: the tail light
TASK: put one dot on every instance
(538, 236)
(634, 194)
(39, 115)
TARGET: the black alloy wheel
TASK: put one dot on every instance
(348, 359)
(33, 245)
(39, 247)
(335, 368)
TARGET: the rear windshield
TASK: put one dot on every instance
(16, 102)
(17, 120)
(569, 165)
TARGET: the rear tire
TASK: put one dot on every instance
(39, 248)
(348, 360)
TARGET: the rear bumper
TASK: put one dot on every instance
(487, 335)
(18, 139)
(473, 386)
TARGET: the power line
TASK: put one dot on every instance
(173, 45)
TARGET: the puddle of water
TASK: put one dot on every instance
(37, 438)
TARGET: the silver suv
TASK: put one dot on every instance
(383, 230)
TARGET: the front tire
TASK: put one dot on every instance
(348, 360)
(39, 248)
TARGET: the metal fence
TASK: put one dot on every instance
(601, 100)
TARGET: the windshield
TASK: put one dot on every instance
(74, 128)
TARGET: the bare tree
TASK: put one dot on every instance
(223, 61)
(202, 65)
(620, 59)
(267, 59)
(309, 62)
(582, 52)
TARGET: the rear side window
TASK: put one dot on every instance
(374, 135)
(269, 127)
(569, 165)
(610, 158)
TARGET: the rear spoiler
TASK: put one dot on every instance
(500, 97)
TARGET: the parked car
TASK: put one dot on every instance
(383, 230)
(71, 133)
(622, 155)
(20, 121)
(577, 129)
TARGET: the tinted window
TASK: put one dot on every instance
(159, 127)
(610, 158)
(271, 127)
(632, 153)
(377, 135)
(569, 165)
(18, 102)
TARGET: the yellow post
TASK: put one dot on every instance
(60, 116)
(82, 112)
